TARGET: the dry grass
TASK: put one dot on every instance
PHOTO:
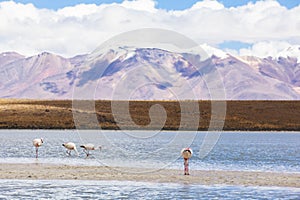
(58, 114)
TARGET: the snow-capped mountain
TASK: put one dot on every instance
(150, 73)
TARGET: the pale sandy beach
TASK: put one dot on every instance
(65, 172)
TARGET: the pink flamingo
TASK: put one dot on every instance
(37, 143)
(70, 146)
(186, 153)
(89, 147)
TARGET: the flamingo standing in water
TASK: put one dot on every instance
(89, 147)
(37, 143)
(186, 153)
(70, 146)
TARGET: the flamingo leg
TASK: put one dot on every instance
(86, 152)
(186, 167)
(36, 152)
(68, 152)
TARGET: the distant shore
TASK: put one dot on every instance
(59, 114)
(68, 172)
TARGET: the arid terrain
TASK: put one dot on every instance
(59, 114)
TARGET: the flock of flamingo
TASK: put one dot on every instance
(70, 146)
(186, 153)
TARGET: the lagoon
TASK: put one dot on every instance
(276, 152)
(239, 151)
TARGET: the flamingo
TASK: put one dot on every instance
(70, 146)
(89, 147)
(37, 143)
(186, 153)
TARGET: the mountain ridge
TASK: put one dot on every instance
(147, 74)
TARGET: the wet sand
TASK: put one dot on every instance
(68, 172)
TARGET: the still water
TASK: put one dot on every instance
(246, 151)
(69, 189)
(242, 151)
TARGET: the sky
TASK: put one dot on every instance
(163, 4)
(71, 27)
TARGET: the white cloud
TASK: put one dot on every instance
(78, 11)
(208, 4)
(272, 48)
(81, 28)
(142, 5)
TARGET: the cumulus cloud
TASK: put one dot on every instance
(81, 28)
(272, 48)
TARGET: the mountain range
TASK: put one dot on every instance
(150, 74)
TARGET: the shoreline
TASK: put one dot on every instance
(59, 115)
(168, 130)
(41, 171)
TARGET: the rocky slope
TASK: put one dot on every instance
(149, 73)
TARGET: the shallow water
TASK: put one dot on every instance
(69, 189)
(242, 151)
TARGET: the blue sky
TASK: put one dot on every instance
(165, 4)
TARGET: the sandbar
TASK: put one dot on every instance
(39, 171)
